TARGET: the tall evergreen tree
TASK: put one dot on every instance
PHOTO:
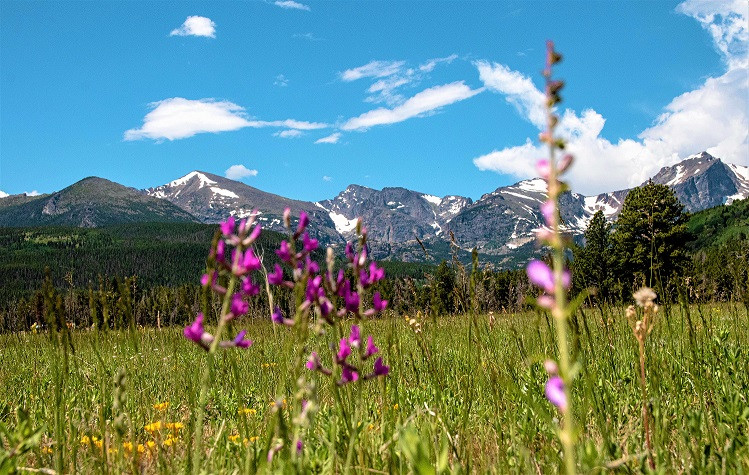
(592, 261)
(650, 236)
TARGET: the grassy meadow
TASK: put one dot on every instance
(464, 395)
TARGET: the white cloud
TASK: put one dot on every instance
(291, 5)
(179, 118)
(289, 134)
(3, 194)
(424, 102)
(373, 69)
(237, 172)
(326, 178)
(281, 81)
(332, 138)
(712, 117)
(432, 63)
(727, 22)
(32, 193)
(196, 26)
(518, 90)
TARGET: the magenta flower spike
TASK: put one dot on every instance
(250, 261)
(344, 350)
(313, 363)
(277, 316)
(303, 222)
(378, 303)
(284, 252)
(309, 243)
(238, 305)
(555, 392)
(299, 446)
(380, 369)
(240, 341)
(548, 208)
(349, 251)
(227, 227)
(371, 349)
(540, 275)
(352, 301)
(376, 274)
(543, 168)
(220, 250)
(354, 338)
(276, 277)
(287, 217)
(195, 330)
(249, 288)
(348, 375)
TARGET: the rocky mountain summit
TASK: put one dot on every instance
(402, 223)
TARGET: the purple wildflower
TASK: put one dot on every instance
(197, 333)
(240, 342)
(378, 302)
(299, 446)
(349, 251)
(540, 275)
(354, 338)
(227, 227)
(380, 369)
(555, 392)
(309, 243)
(352, 301)
(303, 222)
(276, 277)
(348, 375)
(376, 274)
(543, 168)
(238, 305)
(250, 288)
(371, 348)
(255, 233)
(220, 250)
(344, 350)
(284, 252)
(548, 208)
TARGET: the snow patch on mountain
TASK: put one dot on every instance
(223, 192)
(3, 194)
(204, 180)
(432, 199)
(342, 223)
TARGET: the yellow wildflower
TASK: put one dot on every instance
(128, 446)
(47, 450)
(85, 440)
(161, 406)
(151, 444)
(234, 438)
(153, 427)
(169, 441)
(395, 406)
(175, 426)
(98, 443)
(141, 448)
(247, 411)
(370, 427)
(111, 450)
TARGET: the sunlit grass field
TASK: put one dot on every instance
(464, 394)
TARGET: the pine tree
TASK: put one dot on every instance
(592, 261)
(650, 236)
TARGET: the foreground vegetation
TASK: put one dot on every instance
(463, 394)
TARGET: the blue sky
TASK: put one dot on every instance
(438, 97)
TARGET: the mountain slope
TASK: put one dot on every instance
(211, 199)
(91, 202)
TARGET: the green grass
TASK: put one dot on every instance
(460, 396)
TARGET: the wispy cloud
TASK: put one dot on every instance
(326, 178)
(712, 117)
(178, 118)
(332, 138)
(432, 63)
(291, 5)
(237, 172)
(196, 26)
(281, 81)
(289, 134)
(373, 69)
(424, 102)
(517, 89)
(32, 193)
(307, 36)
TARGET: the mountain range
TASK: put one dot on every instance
(402, 223)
